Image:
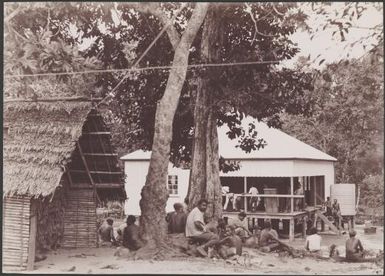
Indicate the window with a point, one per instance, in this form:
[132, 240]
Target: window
[172, 184]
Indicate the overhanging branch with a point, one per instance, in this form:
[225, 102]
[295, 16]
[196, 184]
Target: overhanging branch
[155, 9]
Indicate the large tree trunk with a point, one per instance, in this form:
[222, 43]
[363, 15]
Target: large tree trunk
[154, 193]
[204, 178]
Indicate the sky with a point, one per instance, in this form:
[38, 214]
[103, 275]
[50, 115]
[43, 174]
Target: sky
[332, 49]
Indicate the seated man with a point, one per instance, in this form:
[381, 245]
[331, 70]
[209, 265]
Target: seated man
[328, 207]
[230, 244]
[131, 239]
[241, 226]
[177, 219]
[268, 238]
[196, 228]
[355, 250]
[313, 241]
[106, 231]
[119, 231]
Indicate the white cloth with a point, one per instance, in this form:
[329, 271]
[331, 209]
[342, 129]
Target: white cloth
[253, 191]
[225, 190]
[314, 242]
[195, 215]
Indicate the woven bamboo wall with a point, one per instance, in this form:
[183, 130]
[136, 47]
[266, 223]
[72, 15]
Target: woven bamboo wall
[50, 221]
[80, 219]
[16, 225]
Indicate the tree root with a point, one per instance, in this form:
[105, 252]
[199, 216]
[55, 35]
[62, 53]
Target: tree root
[166, 250]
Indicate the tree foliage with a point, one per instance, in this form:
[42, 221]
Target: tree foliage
[372, 192]
[45, 37]
[262, 91]
[347, 122]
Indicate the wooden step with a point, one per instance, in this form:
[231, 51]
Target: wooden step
[327, 222]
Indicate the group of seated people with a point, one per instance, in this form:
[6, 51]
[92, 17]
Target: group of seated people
[236, 234]
[224, 239]
[127, 234]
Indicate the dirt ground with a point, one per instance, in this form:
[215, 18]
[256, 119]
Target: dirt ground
[103, 261]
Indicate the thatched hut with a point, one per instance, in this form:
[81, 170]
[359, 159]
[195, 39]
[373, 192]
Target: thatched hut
[58, 163]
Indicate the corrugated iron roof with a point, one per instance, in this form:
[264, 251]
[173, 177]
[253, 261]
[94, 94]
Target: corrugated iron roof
[279, 146]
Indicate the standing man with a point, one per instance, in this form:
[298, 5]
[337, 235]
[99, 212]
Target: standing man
[254, 200]
[196, 228]
[241, 227]
[336, 213]
[298, 202]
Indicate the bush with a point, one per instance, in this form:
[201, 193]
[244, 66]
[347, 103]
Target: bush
[372, 194]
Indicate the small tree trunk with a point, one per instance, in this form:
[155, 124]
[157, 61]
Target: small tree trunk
[154, 193]
[204, 178]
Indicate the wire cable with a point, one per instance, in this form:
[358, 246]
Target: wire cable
[141, 69]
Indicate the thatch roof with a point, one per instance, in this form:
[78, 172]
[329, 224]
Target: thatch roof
[38, 144]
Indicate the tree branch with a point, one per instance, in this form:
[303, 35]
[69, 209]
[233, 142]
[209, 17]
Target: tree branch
[155, 9]
[279, 13]
[18, 34]
[188, 36]
[12, 15]
[250, 12]
[171, 31]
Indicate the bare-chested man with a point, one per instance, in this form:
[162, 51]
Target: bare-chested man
[355, 250]
[268, 238]
[230, 244]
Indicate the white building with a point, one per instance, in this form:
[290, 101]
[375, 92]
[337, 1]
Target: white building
[281, 164]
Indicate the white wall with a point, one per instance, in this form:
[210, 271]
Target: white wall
[263, 168]
[315, 168]
[346, 196]
[286, 168]
[136, 172]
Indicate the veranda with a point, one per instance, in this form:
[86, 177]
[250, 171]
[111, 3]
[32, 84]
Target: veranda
[287, 201]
